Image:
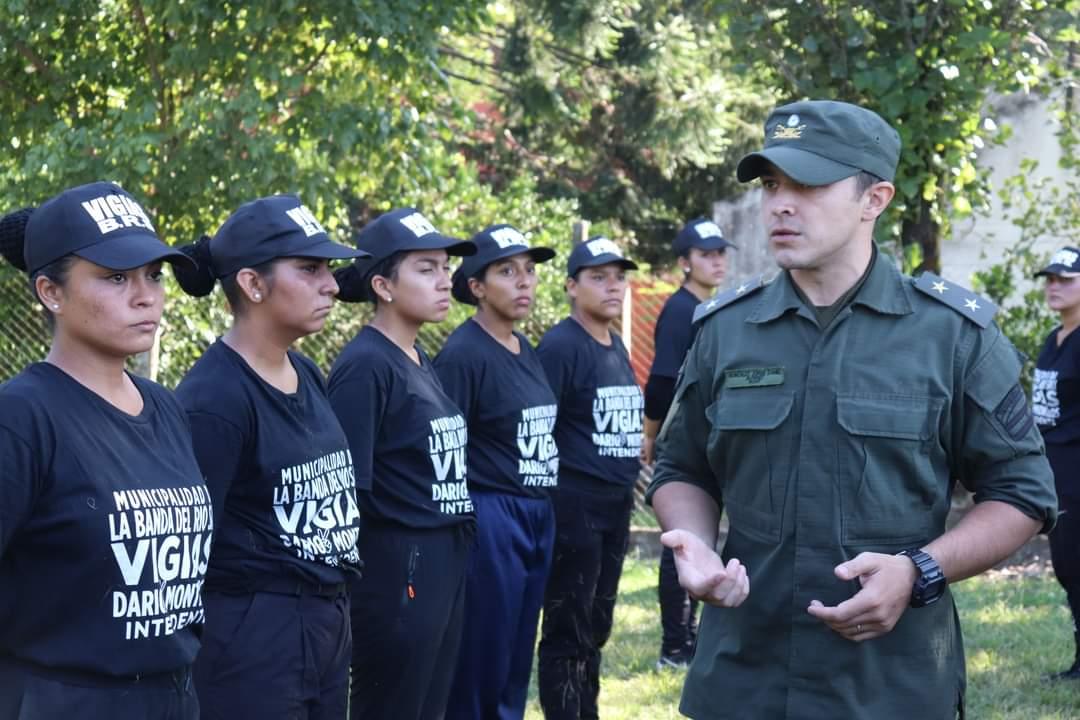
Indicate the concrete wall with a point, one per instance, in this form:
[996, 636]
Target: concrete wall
[976, 242]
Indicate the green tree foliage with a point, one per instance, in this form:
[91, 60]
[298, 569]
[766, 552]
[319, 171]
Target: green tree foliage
[632, 107]
[199, 106]
[1043, 210]
[929, 66]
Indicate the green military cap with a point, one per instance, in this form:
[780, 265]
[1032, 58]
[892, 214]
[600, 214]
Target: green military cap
[819, 142]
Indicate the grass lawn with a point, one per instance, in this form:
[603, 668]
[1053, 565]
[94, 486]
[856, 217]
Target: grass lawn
[1016, 629]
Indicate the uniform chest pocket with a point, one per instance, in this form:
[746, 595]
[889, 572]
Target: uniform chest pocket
[751, 450]
[893, 477]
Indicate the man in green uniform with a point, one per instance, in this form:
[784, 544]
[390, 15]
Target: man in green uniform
[830, 412]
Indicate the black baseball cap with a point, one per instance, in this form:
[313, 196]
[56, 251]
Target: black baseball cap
[700, 233]
[1064, 263]
[494, 243]
[819, 142]
[596, 251]
[404, 230]
[268, 228]
[100, 222]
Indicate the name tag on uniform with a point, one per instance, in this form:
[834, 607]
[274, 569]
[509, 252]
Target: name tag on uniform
[753, 377]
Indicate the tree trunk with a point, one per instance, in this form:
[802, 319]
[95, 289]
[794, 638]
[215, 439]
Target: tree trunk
[925, 233]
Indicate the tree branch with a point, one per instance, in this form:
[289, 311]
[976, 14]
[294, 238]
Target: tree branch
[486, 66]
[153, 61]
[474, 81]
[36, 60]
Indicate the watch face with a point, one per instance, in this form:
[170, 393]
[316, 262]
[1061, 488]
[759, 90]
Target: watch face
[930, 585]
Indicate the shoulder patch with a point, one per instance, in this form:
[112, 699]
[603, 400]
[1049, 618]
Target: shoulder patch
[746, 288]
[974, 307]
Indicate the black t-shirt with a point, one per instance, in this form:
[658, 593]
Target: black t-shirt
[408, 438]
[279, 471]
[509, 408]
[672, 337]
[674, 333]
[598, 428]
[105, 527]
[1055, 401]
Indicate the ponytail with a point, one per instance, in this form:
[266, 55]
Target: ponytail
[196, 279]
[13, 237]
[460, 289]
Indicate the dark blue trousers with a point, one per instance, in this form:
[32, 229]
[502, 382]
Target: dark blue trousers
[591, 535]
[678, 611]
[504, 591]
[32, 693]
[407, 617]
[273, 656]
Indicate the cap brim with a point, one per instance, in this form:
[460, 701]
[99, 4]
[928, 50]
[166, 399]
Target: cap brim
[1058, 270]
[330, 250]
[802, 166]
[606, 259]
[131, 251]
[475, 264]
[712, 243]
[435, 241]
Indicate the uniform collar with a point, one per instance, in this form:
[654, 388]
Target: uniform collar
[884, 292]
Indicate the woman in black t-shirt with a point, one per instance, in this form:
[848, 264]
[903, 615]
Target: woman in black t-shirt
[598, 431]
[1056, 406]
[702, 252]
[408, 442]
[277, 641]
[105, 519]
[493, 374]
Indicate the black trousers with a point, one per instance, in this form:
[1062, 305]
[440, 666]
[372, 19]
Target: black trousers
[1065, 554]
[407, 616]
[34, 693]
[275, 656]
[678, 612]
[591, 534]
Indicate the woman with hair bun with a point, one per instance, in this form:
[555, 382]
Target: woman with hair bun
[408, 442]
[494, 375]
[277, 642]
[105, 519]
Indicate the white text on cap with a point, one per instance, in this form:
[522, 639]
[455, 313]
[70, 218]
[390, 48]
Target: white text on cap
[112, 212]
[306, 220]
[418, 224]
[602, 246]
[708, 230]
[508, 237]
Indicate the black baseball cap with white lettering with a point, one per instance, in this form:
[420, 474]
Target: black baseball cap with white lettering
[594, 252]
[494, 243]
[272, 227]
[400, 230]
[819, 142]
[700, 233]
[1064, 263]
[100, 222]
[406, 230]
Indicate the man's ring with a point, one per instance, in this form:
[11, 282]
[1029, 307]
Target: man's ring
[858, 629]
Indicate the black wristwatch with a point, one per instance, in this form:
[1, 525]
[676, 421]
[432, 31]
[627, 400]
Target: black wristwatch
[930, 585]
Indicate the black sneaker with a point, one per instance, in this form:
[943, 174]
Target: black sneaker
[1073, 673]
[673, 661]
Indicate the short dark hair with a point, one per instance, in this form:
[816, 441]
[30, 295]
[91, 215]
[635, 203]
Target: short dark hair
[231, 288]
[864, 181]
[388, 268]
[57, 273]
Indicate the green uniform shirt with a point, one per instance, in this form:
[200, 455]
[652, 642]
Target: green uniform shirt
[822, 445]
